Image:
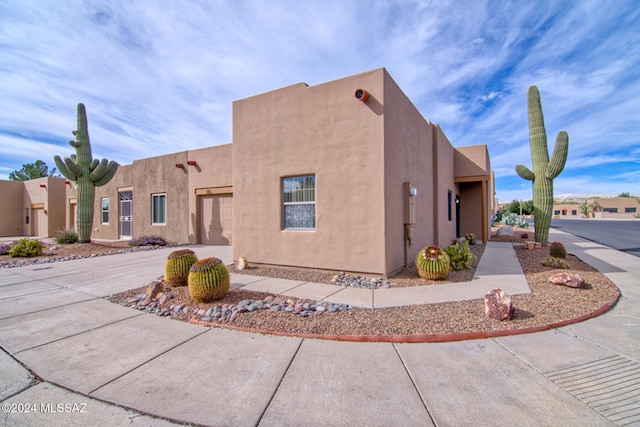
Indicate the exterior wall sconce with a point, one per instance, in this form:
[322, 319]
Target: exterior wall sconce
[180, 165]
[362, 95]
[43, 186]
[192, 163]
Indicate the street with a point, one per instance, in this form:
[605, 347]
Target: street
[622, 235]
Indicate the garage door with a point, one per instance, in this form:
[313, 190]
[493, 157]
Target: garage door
[216, 219]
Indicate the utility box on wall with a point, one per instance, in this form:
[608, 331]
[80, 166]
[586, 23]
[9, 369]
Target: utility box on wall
[410, 192]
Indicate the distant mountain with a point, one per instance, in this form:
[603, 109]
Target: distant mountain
[581, 198]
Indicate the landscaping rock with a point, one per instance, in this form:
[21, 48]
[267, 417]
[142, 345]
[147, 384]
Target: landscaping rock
[505, 230]
[497, 305]
[571, 280]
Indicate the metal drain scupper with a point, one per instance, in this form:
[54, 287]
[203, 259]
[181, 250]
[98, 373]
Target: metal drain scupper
[610, 386]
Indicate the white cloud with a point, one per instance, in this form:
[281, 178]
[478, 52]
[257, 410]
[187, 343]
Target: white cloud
[159, 78]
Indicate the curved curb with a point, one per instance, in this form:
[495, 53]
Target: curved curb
[421, 338]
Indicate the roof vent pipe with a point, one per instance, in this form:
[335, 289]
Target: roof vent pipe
[362, 95]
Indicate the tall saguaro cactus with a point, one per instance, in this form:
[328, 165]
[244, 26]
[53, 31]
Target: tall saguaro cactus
[87, 172]
[544, 170]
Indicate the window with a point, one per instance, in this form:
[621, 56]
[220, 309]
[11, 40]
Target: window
[105, 210]
[299, 197]
[612, 210]
[26, 215]
[629, 210]
[158, 209]
[449, 205]
[556, 212]
[574, 212]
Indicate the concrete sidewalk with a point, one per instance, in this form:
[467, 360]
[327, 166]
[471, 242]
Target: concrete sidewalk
[92, 354]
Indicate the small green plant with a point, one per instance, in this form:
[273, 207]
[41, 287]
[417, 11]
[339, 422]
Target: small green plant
[433, 263]
[460, 255]
[148, 241]
[65, 237]
[471, 238]
[557, 250]
[26, 248]
[176, 270]
[555, 263]
[208, 280]
[514, 220]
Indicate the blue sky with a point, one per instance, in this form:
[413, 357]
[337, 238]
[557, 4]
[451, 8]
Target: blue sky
[159, 76]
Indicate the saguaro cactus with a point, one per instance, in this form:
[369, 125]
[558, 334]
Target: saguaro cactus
[87, 172]
[544, 170]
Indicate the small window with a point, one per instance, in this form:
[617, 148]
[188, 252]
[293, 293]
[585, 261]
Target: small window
[105, 210]
[612, 210]
[556, 212]
[449, 214]
[158, 209]
[26, 215]
[574, 212]
[299, 198]
[629, 210]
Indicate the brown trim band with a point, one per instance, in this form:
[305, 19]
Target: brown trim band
[214, 190]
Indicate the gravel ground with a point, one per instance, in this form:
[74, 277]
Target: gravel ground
[547, 304]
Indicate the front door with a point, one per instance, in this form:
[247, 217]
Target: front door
[457, 216]
[126, 214]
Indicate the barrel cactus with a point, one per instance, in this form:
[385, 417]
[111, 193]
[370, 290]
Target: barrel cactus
[176, 269]
[544, 170]
[432, 263]
[87, 172]
[557, 250]
[208, 280]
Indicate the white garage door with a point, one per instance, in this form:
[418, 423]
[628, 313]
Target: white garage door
[216, 219]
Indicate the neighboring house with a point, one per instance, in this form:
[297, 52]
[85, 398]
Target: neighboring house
[345, 175]
[32, 208]
[600, 207]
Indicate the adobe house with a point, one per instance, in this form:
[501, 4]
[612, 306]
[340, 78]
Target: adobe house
[32, 208]
[345, 175]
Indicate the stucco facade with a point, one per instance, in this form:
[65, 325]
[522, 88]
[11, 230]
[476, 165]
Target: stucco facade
[32, 208]
[345, 175]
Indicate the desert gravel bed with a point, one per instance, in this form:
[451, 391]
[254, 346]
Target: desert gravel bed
[547, 304]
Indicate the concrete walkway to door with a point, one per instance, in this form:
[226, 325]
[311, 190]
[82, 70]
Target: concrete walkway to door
[111, 365]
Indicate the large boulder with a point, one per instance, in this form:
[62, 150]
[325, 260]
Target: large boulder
[505, 230]
[497, 305]
[571, 280]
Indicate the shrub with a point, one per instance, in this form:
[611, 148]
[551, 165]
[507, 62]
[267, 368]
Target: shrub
[148, 241]
[471, 238]
[4, 248]
[557, 250]
[433, 263]
[514, 220]
[555, 263]
[67, 236]
[460, 255]
[26, 248]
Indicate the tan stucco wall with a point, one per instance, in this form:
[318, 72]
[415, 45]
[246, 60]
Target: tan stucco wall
[321, 130]
[122, 179]
[12, 215]
[408, 158]
[212, 171]
[445, 170]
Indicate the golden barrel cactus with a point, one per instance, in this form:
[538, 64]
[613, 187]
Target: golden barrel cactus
[433, 263]
[176, 269]
[208, 280]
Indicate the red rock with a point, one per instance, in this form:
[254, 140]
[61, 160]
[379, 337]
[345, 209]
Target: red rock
[497, 305]
[567, 279]
[153, 289]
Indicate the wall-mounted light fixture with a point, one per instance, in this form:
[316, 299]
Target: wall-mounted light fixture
[362, 95]
[192, 163]
[43, 186]
[179, 165]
